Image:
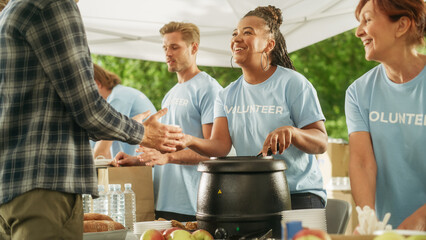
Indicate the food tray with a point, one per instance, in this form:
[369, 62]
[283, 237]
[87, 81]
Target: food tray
[110, 235]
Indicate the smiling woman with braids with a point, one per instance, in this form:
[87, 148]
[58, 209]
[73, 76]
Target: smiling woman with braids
[269, 104]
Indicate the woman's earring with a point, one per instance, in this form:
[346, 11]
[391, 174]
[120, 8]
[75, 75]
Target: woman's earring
[267, 62]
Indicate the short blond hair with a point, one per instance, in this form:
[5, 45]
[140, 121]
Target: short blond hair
[190, 32]
[3, 4]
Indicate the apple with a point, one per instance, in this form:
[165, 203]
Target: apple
[390, 236]
[152, 234]
[181, 235]
[202, 234]
[169, 231]
[417, 237]
[311, 234]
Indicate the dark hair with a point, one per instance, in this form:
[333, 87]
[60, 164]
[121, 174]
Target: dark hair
[415, 10]
[106, 78]
[273, 18]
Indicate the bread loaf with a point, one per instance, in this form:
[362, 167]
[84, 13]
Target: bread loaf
[96, 216]
[191, 226]
[178, 224]
[96, 222]
[101, 226]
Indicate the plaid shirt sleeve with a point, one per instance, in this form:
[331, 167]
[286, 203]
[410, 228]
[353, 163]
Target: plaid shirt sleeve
[57, 37]
[49, 102]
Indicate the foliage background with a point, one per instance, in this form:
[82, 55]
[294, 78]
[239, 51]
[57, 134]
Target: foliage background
[331, 65]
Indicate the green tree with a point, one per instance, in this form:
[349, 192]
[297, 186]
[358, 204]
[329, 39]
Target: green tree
[331, 66]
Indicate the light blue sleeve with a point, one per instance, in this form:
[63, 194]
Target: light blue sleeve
[354, 118]
[207, 103]
[122, 106]
[218, 106]
[129, 101]
[142, 104]
[305, 107]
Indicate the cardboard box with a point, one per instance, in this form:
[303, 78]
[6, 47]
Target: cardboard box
[339, 157]
[335, 161]
[141, 179]
[334, 164]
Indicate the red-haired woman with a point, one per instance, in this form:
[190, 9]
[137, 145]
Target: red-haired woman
[386, 113]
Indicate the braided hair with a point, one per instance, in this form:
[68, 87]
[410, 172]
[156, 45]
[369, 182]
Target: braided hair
[273, 18]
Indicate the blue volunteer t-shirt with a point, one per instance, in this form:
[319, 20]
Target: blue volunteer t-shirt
[287, 98]
[395, 116]
[130, 102]
[190, 105]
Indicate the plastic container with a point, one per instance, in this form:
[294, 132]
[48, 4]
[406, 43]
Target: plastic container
[129, 206]
[116, 203]
[111, 191]
[120, 204]
[87, 203]
[100, 205]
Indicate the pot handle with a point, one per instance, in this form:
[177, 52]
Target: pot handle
[269, 153]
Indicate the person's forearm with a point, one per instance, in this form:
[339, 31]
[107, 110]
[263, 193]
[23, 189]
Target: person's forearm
[363, 184]
[312, 141]
[210, 147]
[186, 156]
[362, 169]
[102, 148]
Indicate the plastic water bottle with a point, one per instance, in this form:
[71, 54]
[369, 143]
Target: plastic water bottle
[129, 206]
[100, 204]
[87, 203]
[112, 202]
[116, 203]
[121, 210]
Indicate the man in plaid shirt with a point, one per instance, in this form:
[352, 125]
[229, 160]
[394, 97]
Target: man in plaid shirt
[49, 107]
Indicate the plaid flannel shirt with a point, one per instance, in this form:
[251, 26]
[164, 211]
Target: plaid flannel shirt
[49, 103]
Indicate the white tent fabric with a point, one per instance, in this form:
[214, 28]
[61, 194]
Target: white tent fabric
[130, 28]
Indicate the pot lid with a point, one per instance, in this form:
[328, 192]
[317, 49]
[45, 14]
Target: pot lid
[242, 164]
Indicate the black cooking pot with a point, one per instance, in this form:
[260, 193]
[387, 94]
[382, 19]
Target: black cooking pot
[240, 196]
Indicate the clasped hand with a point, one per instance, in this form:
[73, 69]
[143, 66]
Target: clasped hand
[164, 138]
[148, 157]
[278, 140]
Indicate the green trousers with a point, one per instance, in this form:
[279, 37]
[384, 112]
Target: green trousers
[42, 214]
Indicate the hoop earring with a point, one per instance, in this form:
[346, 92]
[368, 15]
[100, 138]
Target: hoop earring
[232, 58]
[267, 62]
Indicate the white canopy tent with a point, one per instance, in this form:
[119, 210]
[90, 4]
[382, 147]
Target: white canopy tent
[130, 28]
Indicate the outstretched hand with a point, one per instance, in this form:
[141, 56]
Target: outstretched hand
[124, 159]
[152, 157]
[185, 142]
[164, 138]
[142, 116]
[416, 221]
